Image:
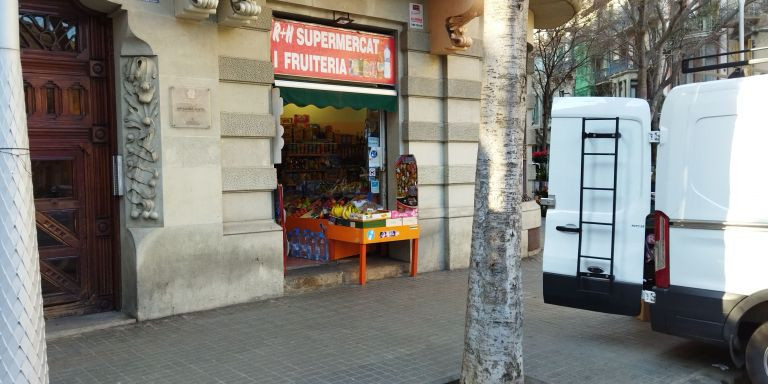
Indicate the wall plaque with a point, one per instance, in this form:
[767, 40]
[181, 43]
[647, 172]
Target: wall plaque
[191, 107]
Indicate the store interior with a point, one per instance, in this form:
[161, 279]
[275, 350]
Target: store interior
[327, 172]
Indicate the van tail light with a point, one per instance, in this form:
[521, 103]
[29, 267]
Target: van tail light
[661, 250]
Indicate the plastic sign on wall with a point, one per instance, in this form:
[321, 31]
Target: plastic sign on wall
[416, 12]
[320, 52]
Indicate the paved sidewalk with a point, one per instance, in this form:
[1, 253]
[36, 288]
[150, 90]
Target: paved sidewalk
[402, 330]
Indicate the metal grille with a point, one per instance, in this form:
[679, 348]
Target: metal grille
[48, 33]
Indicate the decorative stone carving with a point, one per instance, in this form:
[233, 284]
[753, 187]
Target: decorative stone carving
[195, 9]
[456, 26]
[238, 13]
[141, 119]
[246, 8]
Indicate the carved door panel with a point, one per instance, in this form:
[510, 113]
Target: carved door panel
[66, 54]
[60, 217]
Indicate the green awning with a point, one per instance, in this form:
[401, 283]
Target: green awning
[322, 98]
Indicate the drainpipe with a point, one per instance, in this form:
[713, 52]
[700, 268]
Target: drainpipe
[22, 328]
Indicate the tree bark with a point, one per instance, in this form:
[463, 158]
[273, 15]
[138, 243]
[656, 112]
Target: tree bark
[493, 332]
[546, 108]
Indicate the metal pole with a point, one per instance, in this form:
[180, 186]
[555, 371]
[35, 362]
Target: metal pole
[723, 45]
[741, 29]
[22, 327]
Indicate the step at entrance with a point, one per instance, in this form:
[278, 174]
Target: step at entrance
[344, 272]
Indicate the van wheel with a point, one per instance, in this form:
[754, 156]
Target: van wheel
[757, 355]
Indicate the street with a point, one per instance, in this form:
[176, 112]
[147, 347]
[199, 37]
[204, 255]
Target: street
[401, 330]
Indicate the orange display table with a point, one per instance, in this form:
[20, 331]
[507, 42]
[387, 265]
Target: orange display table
[364, 236]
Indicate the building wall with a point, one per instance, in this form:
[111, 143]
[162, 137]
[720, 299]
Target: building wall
[212, 240]
[441, 98]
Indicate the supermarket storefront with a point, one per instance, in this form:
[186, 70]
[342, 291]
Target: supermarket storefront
[336, 87]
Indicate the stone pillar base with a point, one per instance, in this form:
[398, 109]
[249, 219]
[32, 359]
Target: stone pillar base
[530, 243]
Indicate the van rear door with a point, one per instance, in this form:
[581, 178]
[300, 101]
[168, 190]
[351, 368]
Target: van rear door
[601, 185]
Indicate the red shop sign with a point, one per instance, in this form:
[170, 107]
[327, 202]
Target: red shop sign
[310, 50]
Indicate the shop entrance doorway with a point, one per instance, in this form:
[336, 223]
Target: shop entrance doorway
[333, 159]
[335, 84]
[66, 64]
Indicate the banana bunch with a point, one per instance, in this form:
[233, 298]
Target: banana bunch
[350, 209]
[337, 210]
[344, 211]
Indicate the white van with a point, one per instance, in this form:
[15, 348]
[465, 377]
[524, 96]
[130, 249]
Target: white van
[708, 276]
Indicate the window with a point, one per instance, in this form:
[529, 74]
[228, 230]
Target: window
[48, 33]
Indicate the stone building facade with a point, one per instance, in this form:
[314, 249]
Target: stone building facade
[194, 225]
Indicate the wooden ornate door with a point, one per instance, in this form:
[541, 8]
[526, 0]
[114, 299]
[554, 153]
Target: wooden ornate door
[66, 63]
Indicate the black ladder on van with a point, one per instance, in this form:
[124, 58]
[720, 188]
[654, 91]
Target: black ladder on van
[597, 273]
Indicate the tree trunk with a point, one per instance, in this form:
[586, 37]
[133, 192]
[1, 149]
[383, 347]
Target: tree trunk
[545, 120]
[546, 113]
[493, 338]
[640, 53]
[655, 106]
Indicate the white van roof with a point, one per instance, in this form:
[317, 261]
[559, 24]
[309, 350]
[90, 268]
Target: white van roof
[715, 86]
[602, 107]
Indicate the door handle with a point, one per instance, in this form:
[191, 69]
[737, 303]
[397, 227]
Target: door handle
[564, 228]
[117, 175]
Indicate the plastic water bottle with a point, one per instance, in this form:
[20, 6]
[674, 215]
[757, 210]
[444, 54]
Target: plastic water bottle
[306, 234]
[322, 247]
[300, 242]
[295, 241]
[313, 246]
